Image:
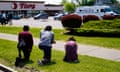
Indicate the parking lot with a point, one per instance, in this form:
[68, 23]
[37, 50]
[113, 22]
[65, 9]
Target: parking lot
[40, 23]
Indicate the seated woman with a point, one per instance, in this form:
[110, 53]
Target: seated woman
[71, 50]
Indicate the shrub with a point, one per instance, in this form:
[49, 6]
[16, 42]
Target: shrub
[108, 17]
[71, 21]
[87, 18]
[117, 16]
[102, 24]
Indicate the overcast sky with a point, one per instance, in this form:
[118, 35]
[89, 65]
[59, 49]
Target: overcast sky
[53, 1]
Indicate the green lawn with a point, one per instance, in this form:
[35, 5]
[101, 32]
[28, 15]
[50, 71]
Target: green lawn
[8, 53]
[111, 42]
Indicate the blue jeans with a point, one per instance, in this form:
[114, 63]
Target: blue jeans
[47, 52]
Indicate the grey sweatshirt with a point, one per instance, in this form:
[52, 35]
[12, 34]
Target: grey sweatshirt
[46, 38]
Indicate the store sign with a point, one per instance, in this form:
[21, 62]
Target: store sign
[23, 6]
[14, 6]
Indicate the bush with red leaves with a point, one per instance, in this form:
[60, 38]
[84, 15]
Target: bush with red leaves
[117, 16]
[87, 18]
[71, 21]
[108, 17]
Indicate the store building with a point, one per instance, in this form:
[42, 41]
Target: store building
[28, 8]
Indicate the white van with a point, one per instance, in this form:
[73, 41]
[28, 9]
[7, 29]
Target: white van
[94, 10]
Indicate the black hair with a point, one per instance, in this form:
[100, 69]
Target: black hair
[71, 39]
[48, 28]
[26, 28]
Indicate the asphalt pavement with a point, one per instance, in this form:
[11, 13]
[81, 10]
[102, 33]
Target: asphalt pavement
[39, 23]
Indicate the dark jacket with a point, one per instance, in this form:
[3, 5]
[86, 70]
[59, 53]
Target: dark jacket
[71, 51]
[27, 37]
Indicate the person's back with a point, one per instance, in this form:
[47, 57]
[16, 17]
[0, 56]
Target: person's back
[46, 38]
[3, 18]
[4, 15]
[45, 44]
[71, 51]
[26, 36]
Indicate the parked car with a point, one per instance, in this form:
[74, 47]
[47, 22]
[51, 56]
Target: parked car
[27, 16]
[41, 16]
[59, 16]
[16, 17]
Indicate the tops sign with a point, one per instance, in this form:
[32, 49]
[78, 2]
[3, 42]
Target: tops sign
[23, 6]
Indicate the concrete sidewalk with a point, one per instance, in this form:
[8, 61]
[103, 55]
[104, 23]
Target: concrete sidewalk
[95, 51]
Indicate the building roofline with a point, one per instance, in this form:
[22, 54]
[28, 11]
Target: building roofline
[22, 1]
[52, 5]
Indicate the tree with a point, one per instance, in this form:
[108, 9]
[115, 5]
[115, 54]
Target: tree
[63, 2]
[91, 2]
[69, 7]
[83, 2]
[114, 1]
[78, 2]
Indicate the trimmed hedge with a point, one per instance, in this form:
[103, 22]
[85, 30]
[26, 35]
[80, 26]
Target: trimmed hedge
[102, 24]
[117, 16]
[87, 18]
[108, 17]
[71, 21]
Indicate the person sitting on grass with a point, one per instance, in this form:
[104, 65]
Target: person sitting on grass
[71, 50]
